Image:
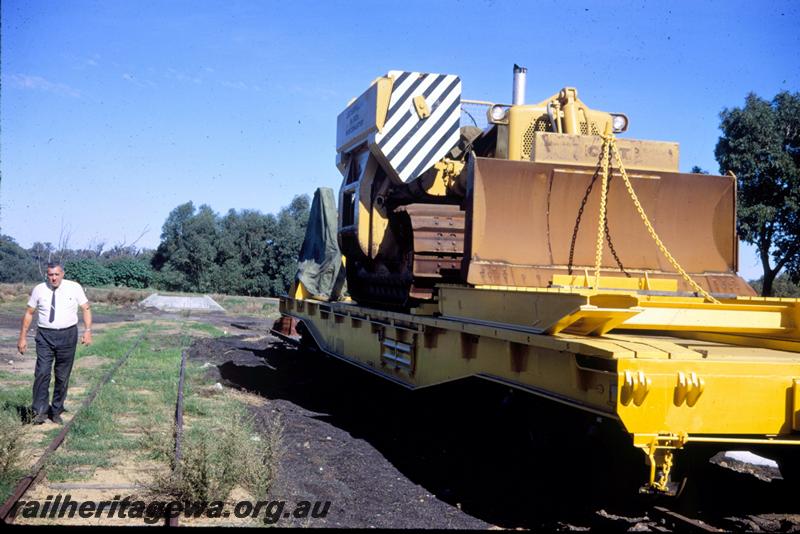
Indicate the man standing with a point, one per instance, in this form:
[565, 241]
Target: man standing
[56, 302]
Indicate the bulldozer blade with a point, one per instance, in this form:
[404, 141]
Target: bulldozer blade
[527, 222]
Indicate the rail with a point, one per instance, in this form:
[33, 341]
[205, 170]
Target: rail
[36, 473]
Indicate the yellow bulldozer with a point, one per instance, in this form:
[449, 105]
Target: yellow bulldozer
[426, 202]
[543, 252]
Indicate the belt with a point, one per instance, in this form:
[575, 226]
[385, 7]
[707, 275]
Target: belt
[57, 329]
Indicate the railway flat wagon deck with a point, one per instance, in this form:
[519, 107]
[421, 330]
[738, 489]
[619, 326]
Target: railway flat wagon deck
[639, 360]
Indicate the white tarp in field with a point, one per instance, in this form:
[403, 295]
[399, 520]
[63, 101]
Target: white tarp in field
[178, 303]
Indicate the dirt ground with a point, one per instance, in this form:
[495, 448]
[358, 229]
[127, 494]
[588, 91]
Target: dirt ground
[326, 456]
[469, 455]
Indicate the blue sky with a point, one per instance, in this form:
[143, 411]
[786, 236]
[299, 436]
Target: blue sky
[115, 112]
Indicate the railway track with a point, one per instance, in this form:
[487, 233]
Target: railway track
[37, 472]
[681, 523]
[173, 519]
[655, 518]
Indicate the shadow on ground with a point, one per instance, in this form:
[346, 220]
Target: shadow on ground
[504, 457]
[25, 413]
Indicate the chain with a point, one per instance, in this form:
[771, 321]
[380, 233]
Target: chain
[608, 232]
[578, 219]
[598, 255]
[610, 141]
[578, 224]
[663, 481]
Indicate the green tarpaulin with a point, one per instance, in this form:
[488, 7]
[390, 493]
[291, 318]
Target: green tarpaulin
[319, 265]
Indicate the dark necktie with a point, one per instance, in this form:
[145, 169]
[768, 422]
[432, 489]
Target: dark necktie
[53, 307]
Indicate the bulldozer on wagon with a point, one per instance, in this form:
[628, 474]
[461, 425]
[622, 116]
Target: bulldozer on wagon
[544, 253]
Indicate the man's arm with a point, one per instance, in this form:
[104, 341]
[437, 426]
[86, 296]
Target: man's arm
[87, 323]
[27, 319]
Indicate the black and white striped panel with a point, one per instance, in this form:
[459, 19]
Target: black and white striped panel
[412, 145]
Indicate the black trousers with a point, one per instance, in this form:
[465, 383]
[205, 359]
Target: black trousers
[53, 346]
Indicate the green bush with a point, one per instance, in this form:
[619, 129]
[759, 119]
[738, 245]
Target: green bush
[781, 287]
[169, 279]
[88, 272]
[131, 272]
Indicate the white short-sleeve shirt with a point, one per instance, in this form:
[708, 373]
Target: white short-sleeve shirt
[69, 295]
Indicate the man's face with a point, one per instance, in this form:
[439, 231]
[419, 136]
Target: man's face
[55, 275]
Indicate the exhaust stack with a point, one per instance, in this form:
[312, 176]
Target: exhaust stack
[518, 97]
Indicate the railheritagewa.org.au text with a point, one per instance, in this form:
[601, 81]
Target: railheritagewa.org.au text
[150, 512]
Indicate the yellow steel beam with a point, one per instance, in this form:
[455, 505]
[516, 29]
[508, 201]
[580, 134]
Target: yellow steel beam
[750, 341]
[663, 313]
[423, 351]
[652, 383]
[539, 312]
[745, 441]
[588, 311]
[677, 441]
[665, 391]
[591, 320]
[796, 404]
[707, 396]
[586, 280]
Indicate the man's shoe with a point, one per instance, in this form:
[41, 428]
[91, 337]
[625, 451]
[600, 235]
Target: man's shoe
[39, 419]
[57, 419]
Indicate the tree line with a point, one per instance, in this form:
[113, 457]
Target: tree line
[242, 252]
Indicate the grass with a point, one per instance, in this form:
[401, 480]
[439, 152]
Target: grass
[5, 376]
[219, 454]
[12, 444]
[241, 305]
[16, 400]
[85, 446]
[206, 328]
[221, 447]
[131, 420]
[15, 293]
[95, 438]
